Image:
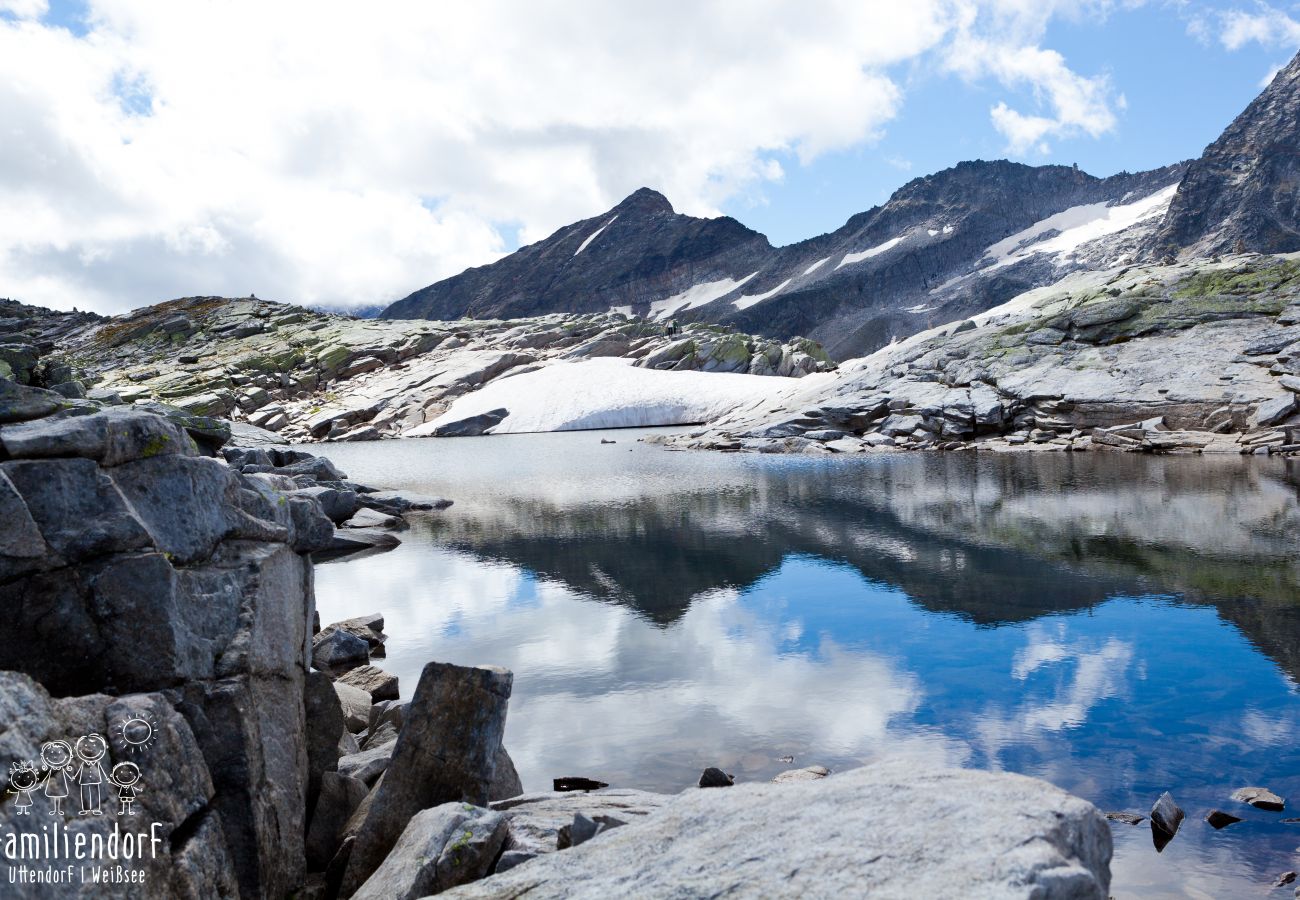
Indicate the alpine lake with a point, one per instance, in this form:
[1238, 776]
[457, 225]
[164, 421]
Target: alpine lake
[1119, 625]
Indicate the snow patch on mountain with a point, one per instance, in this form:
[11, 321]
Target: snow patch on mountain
[697, 295]
[591, 237]
[1077, 226]
[851, 258]
[817, 265]
[745, 302]
[611, 393]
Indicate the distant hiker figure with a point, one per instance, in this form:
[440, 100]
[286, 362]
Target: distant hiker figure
[91, 775]
[22, 781]
[126, 775]
[672, 327]
[56, 757]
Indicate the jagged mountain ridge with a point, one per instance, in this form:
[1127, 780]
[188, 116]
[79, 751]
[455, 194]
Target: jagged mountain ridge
[850, 289]
[944, 247]
[1243, 194]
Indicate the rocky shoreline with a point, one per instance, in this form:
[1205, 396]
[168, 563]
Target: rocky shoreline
[308, 376]
[1194, 357]
[161, 586]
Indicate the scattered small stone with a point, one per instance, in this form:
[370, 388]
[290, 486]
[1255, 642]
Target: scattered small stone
[715, 777]
[1126, 818]
[1260, 798]
[603, 441]
[785, 759]
[1220, 819]
[577, 783]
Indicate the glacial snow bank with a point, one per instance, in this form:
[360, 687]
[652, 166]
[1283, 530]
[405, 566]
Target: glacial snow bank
[611, 393]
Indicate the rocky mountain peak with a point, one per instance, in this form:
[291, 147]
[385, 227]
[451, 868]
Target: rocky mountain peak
[1243, 194]
[644, 201]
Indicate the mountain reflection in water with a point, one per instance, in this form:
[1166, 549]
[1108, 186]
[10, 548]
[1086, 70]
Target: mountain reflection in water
[1119, 625]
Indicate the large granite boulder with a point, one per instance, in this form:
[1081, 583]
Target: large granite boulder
[893, 830]
[446, 752]
[451, 844]
[132, 565]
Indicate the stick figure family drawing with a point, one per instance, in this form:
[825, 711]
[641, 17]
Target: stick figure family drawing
[75, 771]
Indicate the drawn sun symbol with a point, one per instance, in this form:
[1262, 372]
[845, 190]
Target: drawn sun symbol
[136, 734]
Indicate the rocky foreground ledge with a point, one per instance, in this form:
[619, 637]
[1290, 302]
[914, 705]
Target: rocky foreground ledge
[174, 723]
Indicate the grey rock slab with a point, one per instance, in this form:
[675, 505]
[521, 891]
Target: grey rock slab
[355, 704]
[380, 685]
[372, 518]
[505, 779]
[340, 795]
[536, 819]
[807, 773]
[334, 649]
[111, 437]
[339, 505]
[1270, 412]
[442, 847]
[325, 727]
[347, 541]
[76, 506]
[446, 752]
[367, 765]
[18, 403]
[185, 503]
[472, 426]
[976, 835]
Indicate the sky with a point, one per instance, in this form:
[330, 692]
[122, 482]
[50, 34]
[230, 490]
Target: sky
[344, 155]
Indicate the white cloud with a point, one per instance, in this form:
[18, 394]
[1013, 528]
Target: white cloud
[310, 153]
[1074, 104]
[1266, 26]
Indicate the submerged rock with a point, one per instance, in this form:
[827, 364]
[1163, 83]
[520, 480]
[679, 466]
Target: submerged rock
[1260, 798]
[1166, 816]
[1126, 818]
[1219, 819]
[715, 777]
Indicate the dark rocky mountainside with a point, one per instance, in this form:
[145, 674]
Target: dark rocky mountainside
[1243, 194]
[943, 248]
[635, 253]
[919, 260]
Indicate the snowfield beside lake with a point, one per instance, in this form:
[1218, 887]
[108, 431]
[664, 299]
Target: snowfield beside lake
[611, 393]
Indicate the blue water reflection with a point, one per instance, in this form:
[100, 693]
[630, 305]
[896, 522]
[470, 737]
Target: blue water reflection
[1119, 626]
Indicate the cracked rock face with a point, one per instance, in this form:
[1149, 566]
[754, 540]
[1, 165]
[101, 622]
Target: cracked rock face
[143, 580]
[994, 835]
[1241, 195]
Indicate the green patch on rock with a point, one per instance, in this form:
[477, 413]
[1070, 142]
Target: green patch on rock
[1237, 282]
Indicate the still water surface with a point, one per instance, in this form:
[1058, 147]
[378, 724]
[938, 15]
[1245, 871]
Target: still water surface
[1117, 625]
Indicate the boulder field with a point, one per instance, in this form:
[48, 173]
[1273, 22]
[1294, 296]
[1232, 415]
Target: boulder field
[165, 686]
